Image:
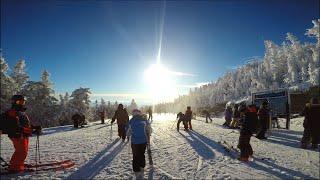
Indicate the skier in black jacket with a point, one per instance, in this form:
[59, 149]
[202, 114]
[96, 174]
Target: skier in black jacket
[248, 126]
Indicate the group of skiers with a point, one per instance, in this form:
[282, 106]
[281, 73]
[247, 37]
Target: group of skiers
[248, 117]
[185, 119]
[16, 124]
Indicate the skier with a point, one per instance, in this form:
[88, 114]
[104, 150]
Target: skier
[264, 118]
[188, 116]
[181, 118]
[78, 120]
[227, 116]
[122, 117]
[248, 126]
[208, 116]
[102, 116]
[150, 114]
[16, 124]
[139, 130]
[311, 124]
[235, 117]
[274, 119]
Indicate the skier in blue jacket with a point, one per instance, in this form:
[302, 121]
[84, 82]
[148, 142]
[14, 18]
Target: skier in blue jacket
[139, 130]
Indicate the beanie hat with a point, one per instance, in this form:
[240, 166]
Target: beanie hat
[136, 112]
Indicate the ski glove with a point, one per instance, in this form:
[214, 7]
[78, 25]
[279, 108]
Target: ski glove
[26, 130]
[37, 130]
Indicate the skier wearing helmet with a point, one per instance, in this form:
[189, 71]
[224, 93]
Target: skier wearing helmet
[17, 125]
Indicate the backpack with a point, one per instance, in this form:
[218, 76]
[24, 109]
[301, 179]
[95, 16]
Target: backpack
[5, 123]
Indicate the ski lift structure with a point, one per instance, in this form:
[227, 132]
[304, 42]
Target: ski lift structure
[279, 102]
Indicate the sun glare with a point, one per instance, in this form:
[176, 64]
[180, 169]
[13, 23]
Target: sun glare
[160, 83]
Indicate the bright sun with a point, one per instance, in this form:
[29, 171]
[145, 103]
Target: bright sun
[160, 82]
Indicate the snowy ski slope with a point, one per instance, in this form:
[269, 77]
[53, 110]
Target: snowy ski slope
[194, 155]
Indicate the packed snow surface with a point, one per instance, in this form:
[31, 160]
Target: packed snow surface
[99, 154]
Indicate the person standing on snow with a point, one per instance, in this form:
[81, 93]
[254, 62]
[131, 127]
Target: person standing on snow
[139, 130]
[102, 116]
[150, 114]
[311, 124]
[16, 124]
[235, 117]
[227, 116]
[188, 116]
[264, 118]
[208, 116]
[181, 118]
[122, 117]
[247, 128]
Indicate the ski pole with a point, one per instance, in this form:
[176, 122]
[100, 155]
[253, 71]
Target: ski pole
[38, 142]
[36, 156]
[111, 132]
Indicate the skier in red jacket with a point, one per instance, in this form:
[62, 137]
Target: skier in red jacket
[17, 126]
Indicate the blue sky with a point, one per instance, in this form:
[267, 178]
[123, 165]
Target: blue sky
[107, 46]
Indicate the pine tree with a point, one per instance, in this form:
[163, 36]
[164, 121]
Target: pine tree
[19, 75]
[7, 86]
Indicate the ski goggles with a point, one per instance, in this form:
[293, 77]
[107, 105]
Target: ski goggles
[20, 102]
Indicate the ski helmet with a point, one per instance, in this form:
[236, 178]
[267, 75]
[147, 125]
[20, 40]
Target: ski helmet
[18, 99]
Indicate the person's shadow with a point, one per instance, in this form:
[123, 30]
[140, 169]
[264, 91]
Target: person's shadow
[99, 162]
[285, 137]
[201, 148]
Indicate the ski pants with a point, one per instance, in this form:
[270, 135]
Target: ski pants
[306, 136]
[263, 130]
[139, 160]
[122, 131]
[244, 145]
[189, 122]
[227, 122]
[102, 119]
[21, 146]
[315, 137]
[185, 125]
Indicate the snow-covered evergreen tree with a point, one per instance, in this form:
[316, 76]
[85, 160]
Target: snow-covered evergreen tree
[19, 75]
[133, 105]
[80, 102]
[7, 86]
[41, 104]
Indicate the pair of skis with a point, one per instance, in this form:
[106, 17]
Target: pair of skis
[52, 166]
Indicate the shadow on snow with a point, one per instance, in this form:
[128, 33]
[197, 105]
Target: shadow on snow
[99, 162]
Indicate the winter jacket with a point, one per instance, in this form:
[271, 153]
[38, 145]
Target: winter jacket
[16, 124]
[314, 118]
[139, 129]
[264, 115]
[122, 117]
[188, 115]
[306, 114]
[236, 113]
[227, 114]
[249, 121]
